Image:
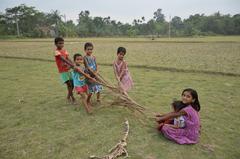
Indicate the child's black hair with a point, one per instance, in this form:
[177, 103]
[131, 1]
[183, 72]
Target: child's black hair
[88, 44]
[121, 49]
[76, 55]
[194, 94]
[178, 105]
[58, 39]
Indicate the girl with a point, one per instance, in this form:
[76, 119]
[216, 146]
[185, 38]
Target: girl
[121, 72]
[79, 80]
[190, 133]
[92, 67]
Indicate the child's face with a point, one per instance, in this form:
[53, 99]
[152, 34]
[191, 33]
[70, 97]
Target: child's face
[79, 60]
[120, 55]
[60, 45]
[89, 50]
[187, 98]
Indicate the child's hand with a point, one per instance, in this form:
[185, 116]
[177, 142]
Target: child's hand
[159, 119]
[74, 67]
[120, 87]
[160, 126]
[118, 79]
[157, 114]
[93, 80]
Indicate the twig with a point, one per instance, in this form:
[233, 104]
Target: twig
[119, 149]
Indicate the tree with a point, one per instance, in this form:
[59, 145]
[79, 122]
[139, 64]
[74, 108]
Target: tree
[236, 21]
[3, 25]
[26, 21]
[85, 26]
[158, 16]
[177, 26]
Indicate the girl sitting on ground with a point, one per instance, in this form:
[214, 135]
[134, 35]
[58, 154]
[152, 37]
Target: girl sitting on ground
[189, 134]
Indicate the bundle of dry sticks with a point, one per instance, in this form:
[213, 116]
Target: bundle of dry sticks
[119, 149]
[117, 91]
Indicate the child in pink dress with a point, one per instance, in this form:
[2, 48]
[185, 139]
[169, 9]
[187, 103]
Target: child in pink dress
[189, 134]
[121, 72]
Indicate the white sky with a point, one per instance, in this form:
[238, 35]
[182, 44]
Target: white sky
[127, 10]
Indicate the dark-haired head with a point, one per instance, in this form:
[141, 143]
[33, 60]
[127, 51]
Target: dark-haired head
[194, 95]
[58, 39]
[178, 105]
[76, 55]
[88, 45]
[121, 50]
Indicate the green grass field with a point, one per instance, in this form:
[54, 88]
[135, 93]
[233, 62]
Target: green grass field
[45, 126]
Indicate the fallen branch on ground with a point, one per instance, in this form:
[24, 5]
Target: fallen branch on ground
[119, 149]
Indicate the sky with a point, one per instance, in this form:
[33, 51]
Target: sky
[128, 10]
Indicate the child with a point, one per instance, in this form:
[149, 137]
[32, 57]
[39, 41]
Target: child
[177, 122]
[79, 80]
[121, 71]
[62, 61]
[189, 134]
[92, 67]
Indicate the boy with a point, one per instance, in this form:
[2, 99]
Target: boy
[63, 64]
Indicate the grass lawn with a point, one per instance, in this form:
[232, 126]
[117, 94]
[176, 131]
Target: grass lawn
[45, 126]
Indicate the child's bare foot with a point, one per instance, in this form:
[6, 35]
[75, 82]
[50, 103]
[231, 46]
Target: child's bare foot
[69, 100]
[77, 109]
[73, 101]
[89, 103]
[89, 110]
[98, 102]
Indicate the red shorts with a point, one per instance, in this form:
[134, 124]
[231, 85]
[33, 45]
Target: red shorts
[81, 89]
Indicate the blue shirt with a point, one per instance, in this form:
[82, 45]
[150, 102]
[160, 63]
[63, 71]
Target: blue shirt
[78, 78]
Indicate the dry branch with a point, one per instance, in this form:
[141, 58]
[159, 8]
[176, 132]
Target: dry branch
[126, 100]
[119, 149]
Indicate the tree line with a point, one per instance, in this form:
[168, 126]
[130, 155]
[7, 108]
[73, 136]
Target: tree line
[27, 21]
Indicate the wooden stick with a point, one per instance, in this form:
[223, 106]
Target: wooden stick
[119, 149]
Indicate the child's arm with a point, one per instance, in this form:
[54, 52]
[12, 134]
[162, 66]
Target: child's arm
[96, 66]
[170, 116]
[85, 74]
[123, 70]
[67, 61]
[86, 65]
[115, 72]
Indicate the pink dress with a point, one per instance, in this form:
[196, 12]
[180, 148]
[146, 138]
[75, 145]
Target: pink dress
[187, 135]
[122, 69]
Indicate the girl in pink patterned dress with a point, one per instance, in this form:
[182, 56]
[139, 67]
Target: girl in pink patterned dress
[121, 72]
[189, 134]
